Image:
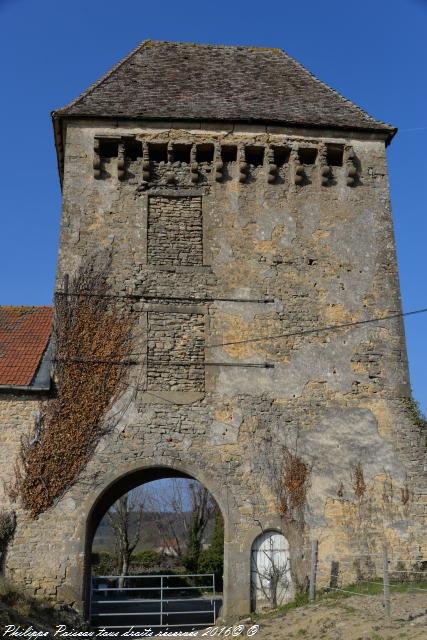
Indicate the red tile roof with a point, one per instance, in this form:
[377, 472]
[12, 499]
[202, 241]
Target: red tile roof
[24, 335]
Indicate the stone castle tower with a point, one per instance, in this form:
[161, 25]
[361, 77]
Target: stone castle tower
[244, 205]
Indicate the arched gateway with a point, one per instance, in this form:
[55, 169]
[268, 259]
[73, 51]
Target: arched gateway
[172, 611]
[224, 223]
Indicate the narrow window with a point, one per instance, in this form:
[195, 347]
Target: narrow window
[334, 155]
[181, 153]
[229, 153]
[254, 156]
[108, 147]
[133, 149]
[307, 155]
[281, 155]
[205, 153]
[158, 152]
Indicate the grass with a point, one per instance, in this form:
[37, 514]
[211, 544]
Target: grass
[329, 597]
[300, 600]
[370, 589]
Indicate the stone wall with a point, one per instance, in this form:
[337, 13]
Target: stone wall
[175, 231]
[175, 359]
[16, 421]
[291, 243]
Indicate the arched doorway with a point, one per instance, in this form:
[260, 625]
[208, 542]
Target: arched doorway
[172, 596]
[271, 583]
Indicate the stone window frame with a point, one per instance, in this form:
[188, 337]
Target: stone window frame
[175, 193]
[177, 397]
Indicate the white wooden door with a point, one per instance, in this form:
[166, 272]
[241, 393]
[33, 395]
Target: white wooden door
[271, 583]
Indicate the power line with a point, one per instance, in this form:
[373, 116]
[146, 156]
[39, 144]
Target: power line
[302, 332]
[262, 365]
[138, 296]
[333, 327]
[184, 363]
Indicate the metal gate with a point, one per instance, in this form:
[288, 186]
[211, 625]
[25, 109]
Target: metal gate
[156, 601]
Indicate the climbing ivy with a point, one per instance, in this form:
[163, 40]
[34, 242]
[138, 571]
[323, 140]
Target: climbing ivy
[92, 338]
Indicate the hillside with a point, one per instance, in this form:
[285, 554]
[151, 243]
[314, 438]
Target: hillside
[155, 527]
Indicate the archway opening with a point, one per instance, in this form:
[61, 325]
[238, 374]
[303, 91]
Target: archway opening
[154, 553]
[271, 582]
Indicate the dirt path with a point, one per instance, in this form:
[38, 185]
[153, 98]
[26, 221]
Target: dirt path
[353, 618]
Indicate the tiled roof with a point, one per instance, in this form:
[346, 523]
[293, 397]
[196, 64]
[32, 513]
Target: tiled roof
[24, 335]
[171, 80]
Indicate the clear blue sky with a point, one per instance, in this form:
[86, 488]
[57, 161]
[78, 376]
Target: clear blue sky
[372, 51]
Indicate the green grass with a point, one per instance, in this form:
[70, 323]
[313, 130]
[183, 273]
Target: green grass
[367, 588]
[329, 597]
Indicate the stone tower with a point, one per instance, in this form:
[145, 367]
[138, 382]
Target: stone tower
[245, 208]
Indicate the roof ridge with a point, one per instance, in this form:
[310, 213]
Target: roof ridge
[103, 78]
[340, 95]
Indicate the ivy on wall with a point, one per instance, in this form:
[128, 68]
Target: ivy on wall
[92, 337]
[294, 482]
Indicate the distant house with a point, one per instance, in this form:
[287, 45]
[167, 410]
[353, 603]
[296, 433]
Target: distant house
[168, 547]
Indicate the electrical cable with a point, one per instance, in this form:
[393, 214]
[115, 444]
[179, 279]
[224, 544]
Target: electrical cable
[302, 332]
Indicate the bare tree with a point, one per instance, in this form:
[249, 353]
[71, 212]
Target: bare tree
[168, 508]
[125, 518]
[202, 509]
[190, 506]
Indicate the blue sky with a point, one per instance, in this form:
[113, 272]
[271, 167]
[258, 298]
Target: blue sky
[372, 51]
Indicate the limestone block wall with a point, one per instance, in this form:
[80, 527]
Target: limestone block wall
[175, 351]
[175, 234]
[16, 421]
[233, 245]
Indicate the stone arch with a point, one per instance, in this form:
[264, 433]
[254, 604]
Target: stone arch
[116, 485]
[271, 581]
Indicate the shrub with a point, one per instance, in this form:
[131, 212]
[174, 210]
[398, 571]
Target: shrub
[103, 563]
[7, 528]
[148, 558]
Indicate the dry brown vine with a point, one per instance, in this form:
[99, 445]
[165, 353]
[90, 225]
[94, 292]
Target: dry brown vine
[92, 337]
[358, 480]
[294, 483]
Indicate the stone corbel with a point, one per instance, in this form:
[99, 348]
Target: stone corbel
[272, 167]
[194, 167]
[297, 166]
[170, 153]
[350, 164]
[324, 168]
[121, 162]
[145, 163]
[170, 177]
[218, 164]
[243, 165]
[97, 169]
